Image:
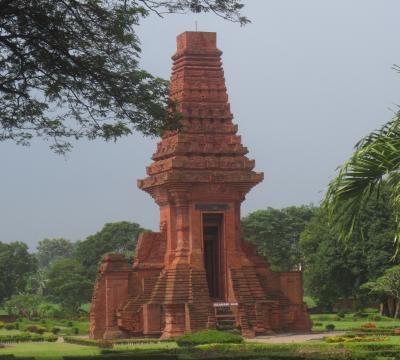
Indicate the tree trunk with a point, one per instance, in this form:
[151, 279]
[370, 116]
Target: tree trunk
[383, 308]
[396, 314]
[390, 304]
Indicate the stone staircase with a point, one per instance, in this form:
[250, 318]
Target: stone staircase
[225, 319]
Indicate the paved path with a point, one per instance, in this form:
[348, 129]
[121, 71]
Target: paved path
[294, 338]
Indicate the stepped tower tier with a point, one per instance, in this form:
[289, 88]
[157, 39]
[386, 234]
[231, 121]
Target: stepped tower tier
[197, 272]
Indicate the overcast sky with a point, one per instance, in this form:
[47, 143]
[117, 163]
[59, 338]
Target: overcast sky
[306, 80]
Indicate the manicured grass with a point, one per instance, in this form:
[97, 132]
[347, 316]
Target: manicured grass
[49, 351]
[309, 350]
[349, 323]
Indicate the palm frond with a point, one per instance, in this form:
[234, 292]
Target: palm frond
[376, 159]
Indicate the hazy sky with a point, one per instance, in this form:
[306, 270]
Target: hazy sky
[306, 80]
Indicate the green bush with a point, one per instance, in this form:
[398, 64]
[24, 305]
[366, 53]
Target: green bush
[105, 344]
[318, 324]
[375, 317]
[209, 337]
[141, 341]
[9, 326]
[2, 323]
[25, 337]
[36, 329]
[76, 331]
[330, 327]
[82, 341]
[55, 330]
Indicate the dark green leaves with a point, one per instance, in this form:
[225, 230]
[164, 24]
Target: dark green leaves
[70, 69]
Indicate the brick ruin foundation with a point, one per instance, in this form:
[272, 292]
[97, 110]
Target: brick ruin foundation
[197, 273]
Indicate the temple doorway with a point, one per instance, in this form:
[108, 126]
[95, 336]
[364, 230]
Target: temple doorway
[212, 237]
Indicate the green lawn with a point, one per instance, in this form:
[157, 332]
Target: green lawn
[48, 351]
[349, 323]
[55, 351]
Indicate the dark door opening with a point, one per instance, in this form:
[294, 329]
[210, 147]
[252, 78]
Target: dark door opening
[212, 233]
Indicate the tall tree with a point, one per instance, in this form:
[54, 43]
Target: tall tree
[16, 264]
[49, 250]
[389, 284]
[335, 270]
[276, 233]
[118, 237]
[68, 284]
[70, 68]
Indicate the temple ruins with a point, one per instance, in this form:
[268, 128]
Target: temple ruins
[197, 272]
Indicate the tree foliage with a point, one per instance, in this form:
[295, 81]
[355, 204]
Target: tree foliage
[68, 284]
[26, 305]
[70, 69]
[276, 233]
[49, 250]
[16, 264]
[118, 237]
[389, 284]
[335, 270]
[376, 160]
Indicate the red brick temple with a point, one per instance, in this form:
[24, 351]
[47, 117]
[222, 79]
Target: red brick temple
[197, 273]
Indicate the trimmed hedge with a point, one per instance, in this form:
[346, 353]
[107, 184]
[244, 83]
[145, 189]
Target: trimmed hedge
[106, 343]
[12, 357]
[141, 341]
[26, 337]
[209, 337]
[81, 341]
[127, 356]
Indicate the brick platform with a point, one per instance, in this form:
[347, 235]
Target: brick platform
[197, 272]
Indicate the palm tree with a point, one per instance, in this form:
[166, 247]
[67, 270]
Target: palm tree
[375, 161]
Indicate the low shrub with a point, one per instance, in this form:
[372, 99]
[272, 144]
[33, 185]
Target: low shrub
[76, 331]
[55, 330]
[375, 317]
[341, 314]
[369, 326]
[141, 341]
[25, 337]
[330, 327]
[359, 315]
[80, 341]
[318, 324]
[209, 337]
[9, 326]
[105, 344]
[376, 331]
[70, 324]
[101, 344]
[322, 317]
[36, 329]
[356, 339]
